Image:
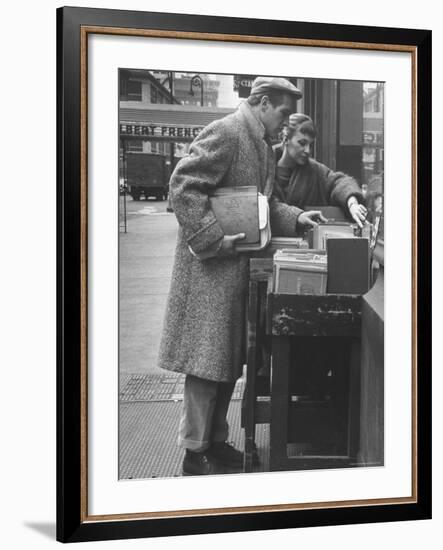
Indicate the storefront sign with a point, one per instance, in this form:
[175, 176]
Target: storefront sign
[160, 132]
[373, 138]
[243, 84]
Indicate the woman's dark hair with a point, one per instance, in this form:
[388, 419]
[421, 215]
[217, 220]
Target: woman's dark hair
[299, 122]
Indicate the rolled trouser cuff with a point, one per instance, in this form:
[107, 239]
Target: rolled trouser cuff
[195, 446]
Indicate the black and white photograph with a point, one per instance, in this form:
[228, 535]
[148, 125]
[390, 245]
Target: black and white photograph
[234, 351]
[251, 273]
[203, 345]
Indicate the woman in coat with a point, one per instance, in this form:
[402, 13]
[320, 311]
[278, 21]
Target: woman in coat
[302, 181]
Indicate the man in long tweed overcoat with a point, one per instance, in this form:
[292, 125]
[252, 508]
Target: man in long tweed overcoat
[203, 334]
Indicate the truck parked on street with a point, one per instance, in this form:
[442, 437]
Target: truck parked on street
[147, 175]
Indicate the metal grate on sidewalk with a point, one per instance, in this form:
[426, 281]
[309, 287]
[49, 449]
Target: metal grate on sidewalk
[148, 439]
[159, 387]
[149, 414]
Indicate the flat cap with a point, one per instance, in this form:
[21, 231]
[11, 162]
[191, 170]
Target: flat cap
[263, 84]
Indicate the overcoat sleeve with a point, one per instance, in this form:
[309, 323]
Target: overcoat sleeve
[195, 176]
[283, 216]
[340, 187]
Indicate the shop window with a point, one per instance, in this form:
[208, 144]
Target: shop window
[373, 147]
[133, 90]
[377, 103]
[155, 96]
[158, 148]
[135, 146]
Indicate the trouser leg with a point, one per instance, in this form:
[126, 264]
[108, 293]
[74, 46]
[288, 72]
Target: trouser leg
[220, 426]
[199, 400]
[203, 418]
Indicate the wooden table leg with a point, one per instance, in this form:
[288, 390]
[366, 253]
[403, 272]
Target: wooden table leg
[354, 400]
[279, 402]
[251, 373]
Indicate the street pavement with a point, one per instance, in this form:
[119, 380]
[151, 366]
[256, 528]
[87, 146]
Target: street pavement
[145, 264]
[150, 398]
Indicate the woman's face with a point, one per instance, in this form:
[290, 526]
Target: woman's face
[299, 148]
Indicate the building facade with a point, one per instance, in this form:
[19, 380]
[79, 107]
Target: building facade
[139, 89]
[159, 115]
[162, 112]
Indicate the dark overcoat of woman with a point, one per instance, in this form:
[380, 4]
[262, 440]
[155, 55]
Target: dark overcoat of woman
[312, 184]
[203, 333]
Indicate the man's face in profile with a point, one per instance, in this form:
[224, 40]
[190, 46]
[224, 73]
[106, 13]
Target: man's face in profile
[275, 118]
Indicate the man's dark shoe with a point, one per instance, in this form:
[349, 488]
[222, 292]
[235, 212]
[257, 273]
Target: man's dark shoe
[226, 454]
[198, 464]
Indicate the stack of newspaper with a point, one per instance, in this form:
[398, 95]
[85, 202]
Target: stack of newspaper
[297, 272]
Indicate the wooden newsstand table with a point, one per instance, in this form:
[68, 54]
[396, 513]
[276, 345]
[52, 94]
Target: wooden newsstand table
[314, 392]
[314, 380]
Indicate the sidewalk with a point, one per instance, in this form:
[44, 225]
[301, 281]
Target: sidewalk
[150, 399]
[150, 408]
[146, 254]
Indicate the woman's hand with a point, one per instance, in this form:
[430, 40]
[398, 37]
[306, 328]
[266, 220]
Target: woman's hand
[311, 217]
[358, 213]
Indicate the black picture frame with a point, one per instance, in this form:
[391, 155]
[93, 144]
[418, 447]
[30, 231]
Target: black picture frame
[73, 523]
